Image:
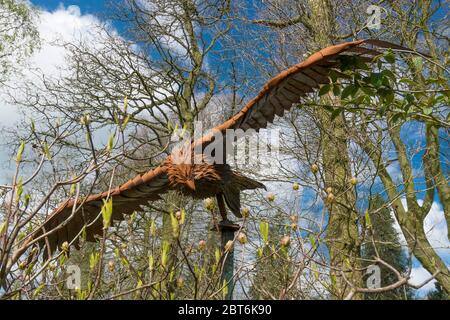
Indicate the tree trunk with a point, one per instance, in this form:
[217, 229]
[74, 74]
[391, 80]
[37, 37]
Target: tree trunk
[342, 232]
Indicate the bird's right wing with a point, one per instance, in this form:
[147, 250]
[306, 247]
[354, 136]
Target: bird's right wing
[67, 221]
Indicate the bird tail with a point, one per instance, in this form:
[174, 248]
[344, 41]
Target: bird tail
[232, 191]
[245, 183]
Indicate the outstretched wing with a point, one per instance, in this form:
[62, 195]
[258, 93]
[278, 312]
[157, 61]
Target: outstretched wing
[66, 222]
[290, 86]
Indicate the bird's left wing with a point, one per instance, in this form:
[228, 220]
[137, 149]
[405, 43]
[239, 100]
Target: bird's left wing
[293, 84]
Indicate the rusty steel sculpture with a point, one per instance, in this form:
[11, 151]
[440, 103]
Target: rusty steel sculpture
[202, 179]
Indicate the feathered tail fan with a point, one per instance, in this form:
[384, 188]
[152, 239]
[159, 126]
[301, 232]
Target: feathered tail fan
[232, 191]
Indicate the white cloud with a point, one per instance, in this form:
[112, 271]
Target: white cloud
[435, 227]
[420, 275]
[394, 171]
[436, 230]
[63, 24]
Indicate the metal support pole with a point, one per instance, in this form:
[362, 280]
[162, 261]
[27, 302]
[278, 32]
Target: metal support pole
[227, 230]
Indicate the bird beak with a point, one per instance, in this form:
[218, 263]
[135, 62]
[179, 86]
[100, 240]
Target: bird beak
[191, 184]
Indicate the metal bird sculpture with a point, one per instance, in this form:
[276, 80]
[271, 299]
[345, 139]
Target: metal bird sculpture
[202, 179]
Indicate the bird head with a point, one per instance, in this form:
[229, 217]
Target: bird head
[184, 172]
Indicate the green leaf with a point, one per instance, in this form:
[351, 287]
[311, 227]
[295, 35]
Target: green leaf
[2, 227]
[408, 81]
[419, 94]
[47, 151]
[132, 218]
[110, 142]
[27, 200]
[93, 260]
[389, 73]
[336, 90]
[368, 91]
[427, 110]
[333, 280]
[389, 56]
[260, 252]
[19, 190]
[389, 97]
[125, 262]
[183, 216]
[83, 233]
[368, 221]
[348, 264]
[151, 262]
[333, 76]
[346, 92]
[73, 189]
[20, 151]
[107, 211]
[217, 255]
[325, 89]
[376, 79]
[62, 259]
[125, 122]
[264, 228]
[385, 81]
[349, 91]
[21, 235]
[165, 253]
[38, 289]
[418, 63]
[362, 65]
[175, 225]
[336, 113]
[153, 228]
[348, 62]
[225, 289]
[314, 269]
[409, 98]
[386, 94]
[313, 242]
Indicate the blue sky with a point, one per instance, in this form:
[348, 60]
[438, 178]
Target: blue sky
[86, 6]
